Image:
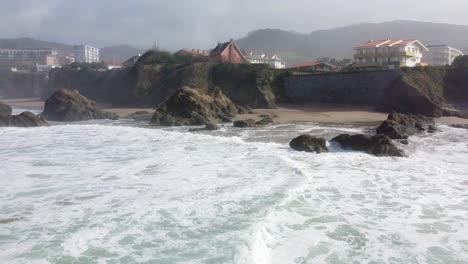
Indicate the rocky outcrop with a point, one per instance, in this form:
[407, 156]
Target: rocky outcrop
[378, 145]
[5, 109]
[266, 120]
[245, 123]
[208, 127]
[401, 126]
[25, 119]
[69, 105]
[309, 143]
[191, 107]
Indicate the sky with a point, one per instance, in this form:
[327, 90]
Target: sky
[175, 24]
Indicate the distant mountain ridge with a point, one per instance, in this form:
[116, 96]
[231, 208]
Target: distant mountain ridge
[113, 53]
[339, 42]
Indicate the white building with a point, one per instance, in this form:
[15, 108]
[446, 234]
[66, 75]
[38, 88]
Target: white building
[84, 53]
[273, 61]
[389, 53]
[40, 56]
[439, 55]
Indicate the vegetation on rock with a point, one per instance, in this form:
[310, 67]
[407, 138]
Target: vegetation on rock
[70, 105]
[5, 109]
[25, 119]
[401, 126]
[189, 106]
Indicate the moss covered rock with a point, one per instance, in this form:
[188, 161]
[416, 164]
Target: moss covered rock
[189, 107]
[401, 126]
[25, 119]
[69, 105]
[5, 109]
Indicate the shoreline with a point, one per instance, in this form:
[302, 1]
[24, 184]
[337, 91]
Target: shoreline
[283, 114]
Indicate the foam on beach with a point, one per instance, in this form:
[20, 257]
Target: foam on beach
[105, 192]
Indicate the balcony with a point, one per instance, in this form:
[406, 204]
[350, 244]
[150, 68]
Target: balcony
[387, 54]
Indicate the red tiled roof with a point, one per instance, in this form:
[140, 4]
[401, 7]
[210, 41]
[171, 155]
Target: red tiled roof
[196, 52]
[388, 43]
[309, 64]
[113, 63]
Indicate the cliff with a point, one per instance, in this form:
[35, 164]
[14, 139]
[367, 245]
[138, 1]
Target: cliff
[430, 91]
[151, 84]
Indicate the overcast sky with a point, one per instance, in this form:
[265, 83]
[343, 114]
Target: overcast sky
[175, 24]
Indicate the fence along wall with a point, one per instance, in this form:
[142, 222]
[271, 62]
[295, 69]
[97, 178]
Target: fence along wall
[359, 88]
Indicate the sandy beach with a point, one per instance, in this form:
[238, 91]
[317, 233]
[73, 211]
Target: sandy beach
[334, 114]
[284, 113]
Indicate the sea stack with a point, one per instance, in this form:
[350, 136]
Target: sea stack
[68, 105]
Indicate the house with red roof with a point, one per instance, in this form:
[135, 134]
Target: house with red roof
[389, 53]
[194, 52]
[228, 52]
[313, 66]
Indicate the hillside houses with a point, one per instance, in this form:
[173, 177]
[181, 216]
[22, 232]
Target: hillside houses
[389, 53]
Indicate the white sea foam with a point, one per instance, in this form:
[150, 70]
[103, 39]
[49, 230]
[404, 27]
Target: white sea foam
[110, 193]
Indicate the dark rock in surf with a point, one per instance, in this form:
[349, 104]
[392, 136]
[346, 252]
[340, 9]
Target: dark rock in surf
[5, 109]
[208, 127]
[69, 105]
[401, 126]
[25, 119]
[462, 126]
[266, 120]
[245, 123]
[378, 145]
[309, 143]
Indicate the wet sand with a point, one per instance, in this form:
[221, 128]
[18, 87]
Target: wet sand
[284, 113]
[34, 103]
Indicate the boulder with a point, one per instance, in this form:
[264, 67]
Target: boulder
[140, 116]
[139, 113]
[245, 123]
[25, 119]
[378, 145]
[192, 107]
[69, 105]
[401, 126]
[208, 127]
[5, 109]
[266, 119]
[309, 143]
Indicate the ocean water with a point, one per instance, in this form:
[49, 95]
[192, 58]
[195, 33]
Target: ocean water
[122, 192]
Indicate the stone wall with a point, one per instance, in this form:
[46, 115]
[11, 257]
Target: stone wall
[357, 88]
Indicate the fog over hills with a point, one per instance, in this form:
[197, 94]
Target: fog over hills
[296, 47]
[338, 42]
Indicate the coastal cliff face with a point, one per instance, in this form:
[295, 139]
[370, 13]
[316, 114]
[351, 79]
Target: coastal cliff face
[18, 85]
[430, 91]
[152, 84]
[417, 91]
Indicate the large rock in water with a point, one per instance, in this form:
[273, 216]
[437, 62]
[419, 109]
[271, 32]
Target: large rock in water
[69, 105]
[401, 126]
[5, 109]
[309, 143]
[191, 107]
[378, 145]
[25, 119]
[245, 123]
